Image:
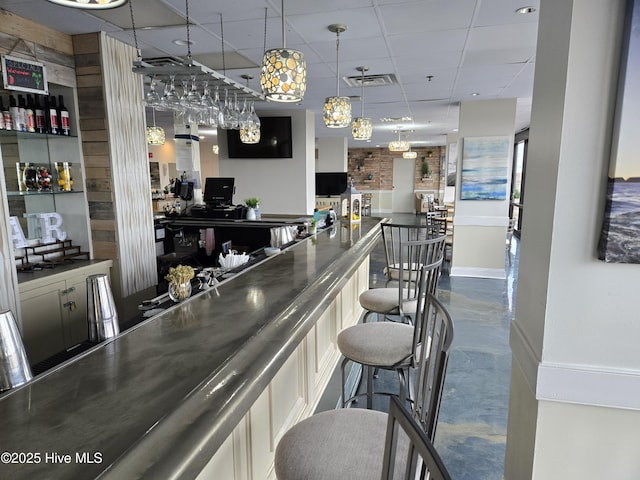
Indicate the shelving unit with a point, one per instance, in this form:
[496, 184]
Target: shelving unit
[41, 152]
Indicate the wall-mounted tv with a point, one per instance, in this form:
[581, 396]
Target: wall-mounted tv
[275, 140]
[331, 183]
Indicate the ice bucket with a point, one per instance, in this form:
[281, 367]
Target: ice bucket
[101, 309]
[14, 365]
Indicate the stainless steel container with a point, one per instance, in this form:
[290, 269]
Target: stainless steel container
[14, 365]
[101, 309]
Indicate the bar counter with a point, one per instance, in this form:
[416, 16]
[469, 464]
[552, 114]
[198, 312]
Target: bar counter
[159, 400]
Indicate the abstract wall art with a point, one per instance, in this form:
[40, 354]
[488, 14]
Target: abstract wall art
[485, 168]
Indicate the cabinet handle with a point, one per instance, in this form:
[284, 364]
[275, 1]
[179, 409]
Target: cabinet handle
[71, 305]
[71, 289]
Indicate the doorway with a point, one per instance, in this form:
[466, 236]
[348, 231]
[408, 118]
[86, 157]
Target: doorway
[404, 171]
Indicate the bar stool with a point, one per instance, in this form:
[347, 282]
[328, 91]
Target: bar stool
[389, 300]
[349, 443]
[389, 345]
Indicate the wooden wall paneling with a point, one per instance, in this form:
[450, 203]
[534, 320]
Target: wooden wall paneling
[34, 32]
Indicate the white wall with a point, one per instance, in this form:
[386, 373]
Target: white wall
[284, 185]
[332, 154]
[575, 334]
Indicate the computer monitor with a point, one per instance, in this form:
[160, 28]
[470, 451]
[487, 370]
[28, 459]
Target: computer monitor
[218, 191]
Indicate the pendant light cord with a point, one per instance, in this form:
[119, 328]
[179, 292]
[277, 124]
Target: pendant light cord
[188, 34]
[362, 94]
[337, 63]
[133, 27]
[264, 43]
[224, 66]
[284, 34]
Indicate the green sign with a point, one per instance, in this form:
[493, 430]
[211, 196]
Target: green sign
[24, 75]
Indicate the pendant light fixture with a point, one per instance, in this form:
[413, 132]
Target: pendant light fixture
[410, 153]
[90, 4]
[361, 128]
[399, 145]
[284, 72]
[155, 135]
[337, 110]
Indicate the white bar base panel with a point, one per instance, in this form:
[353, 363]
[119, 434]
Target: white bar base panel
[292, 395]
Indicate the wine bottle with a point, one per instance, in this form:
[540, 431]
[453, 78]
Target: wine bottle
[1, 115]
[6, 118]
[41, 122]
[23, 112]
[52, 117]
[63, 115]
[14, 111]
[30, 117]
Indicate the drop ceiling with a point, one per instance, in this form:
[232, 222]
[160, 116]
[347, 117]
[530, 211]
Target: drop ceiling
[466, 47]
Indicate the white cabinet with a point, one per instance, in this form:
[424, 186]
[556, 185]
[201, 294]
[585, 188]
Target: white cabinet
[54, 309]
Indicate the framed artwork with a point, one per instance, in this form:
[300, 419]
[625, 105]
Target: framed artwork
[485, 168]
[620, 235]
[452, 160]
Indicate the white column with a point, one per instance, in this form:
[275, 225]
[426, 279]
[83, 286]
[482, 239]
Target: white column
[480, 226]
[575, 387]
[332, 154]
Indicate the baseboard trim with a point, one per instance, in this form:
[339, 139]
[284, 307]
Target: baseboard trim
[477, 272]
[575, 384]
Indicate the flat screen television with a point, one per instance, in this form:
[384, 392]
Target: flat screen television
[275, 140]
[218, 191]
[331, 183]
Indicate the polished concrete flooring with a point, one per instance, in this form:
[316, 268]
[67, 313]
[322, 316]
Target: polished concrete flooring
[472, 425]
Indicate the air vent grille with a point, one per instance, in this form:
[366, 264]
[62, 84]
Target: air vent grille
[379, 80]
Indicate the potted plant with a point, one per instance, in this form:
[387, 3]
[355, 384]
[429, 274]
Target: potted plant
[253, 204]
[179, 279]
[426, 171]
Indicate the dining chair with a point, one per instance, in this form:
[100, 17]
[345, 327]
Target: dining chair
[388, 345]
[350, 442]
[510, 228]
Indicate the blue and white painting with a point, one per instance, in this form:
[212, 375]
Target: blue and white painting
[485, 168]
[620, 236]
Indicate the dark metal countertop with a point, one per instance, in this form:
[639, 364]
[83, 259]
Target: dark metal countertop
[158, 400]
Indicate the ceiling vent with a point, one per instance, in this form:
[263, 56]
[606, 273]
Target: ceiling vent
[164, 61]
[380, 80]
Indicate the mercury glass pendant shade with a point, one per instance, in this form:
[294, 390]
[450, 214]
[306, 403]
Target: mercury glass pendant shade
[155, 135]
[90, 4]
[398, 146]
[250, 134]
[284, 75]
[337, 112]
[362, 128]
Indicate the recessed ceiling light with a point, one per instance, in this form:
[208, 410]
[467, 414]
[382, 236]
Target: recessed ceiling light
[526, 10]
[475, 94]
[183, 43]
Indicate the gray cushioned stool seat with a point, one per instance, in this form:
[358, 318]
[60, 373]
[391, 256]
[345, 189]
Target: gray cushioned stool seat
[385, 300]
[334, 445]
[379, 343]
